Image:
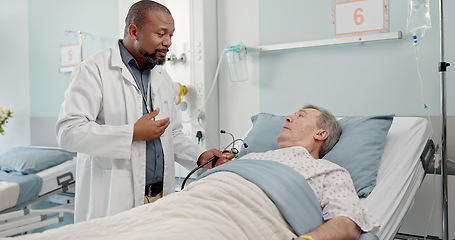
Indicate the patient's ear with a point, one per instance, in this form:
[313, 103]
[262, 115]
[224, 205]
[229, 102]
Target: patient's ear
[321, 135]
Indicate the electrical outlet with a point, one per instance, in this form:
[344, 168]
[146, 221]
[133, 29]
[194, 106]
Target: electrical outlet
[199, 90]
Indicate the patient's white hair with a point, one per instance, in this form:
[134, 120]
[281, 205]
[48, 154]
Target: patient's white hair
[329, 123]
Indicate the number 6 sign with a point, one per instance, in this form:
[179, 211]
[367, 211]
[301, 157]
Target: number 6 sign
[359, 16]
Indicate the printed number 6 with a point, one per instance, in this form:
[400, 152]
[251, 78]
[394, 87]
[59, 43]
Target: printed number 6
[358, 17]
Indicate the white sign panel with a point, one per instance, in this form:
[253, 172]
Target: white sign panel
[359, 16]
[70, 55]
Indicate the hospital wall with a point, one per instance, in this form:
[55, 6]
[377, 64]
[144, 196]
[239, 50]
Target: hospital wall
[355, 79]
[378, 77]
[14, 73]
[32, 85]
[47, 34]
[352, 79]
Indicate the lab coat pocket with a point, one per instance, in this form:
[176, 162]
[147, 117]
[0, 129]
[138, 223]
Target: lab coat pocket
[121, 191]
[164, 110]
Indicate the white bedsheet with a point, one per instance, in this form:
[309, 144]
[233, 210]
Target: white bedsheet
[234, 209]
[400, 173]
[9, 194]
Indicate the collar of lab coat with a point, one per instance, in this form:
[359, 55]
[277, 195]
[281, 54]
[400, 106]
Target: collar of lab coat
[157, 74]
[116, 61]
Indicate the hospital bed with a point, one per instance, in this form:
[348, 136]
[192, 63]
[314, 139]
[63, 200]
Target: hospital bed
[29, 175]
[393, 151]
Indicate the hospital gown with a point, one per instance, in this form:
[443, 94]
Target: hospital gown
[331, 184]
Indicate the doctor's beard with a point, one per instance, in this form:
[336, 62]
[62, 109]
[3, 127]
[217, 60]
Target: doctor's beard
[152, 57]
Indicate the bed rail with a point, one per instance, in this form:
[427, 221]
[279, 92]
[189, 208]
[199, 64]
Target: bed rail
[427, 155]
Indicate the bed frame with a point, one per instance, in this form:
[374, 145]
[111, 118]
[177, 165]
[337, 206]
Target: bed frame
[21, 219]
[408, 152]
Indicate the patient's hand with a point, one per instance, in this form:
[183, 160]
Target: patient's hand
[336, 228]
[222, 157]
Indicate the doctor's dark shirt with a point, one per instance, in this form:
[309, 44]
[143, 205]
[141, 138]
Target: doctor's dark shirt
[154, 150]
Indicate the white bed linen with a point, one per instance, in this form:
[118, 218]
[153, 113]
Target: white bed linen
[9, 194]
[400, 173]
[50, 175]
[225, 206]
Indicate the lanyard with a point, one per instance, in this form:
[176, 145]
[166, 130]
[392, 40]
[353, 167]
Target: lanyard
[145, 98]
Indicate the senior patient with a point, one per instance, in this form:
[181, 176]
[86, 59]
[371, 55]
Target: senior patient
[306, 137]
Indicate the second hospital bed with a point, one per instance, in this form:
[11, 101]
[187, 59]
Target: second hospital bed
[393, 151]
[29, 175]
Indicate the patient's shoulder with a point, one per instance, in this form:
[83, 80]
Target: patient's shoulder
[330, 165]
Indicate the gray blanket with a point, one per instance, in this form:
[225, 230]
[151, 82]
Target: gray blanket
[286, 188]
[30, 185]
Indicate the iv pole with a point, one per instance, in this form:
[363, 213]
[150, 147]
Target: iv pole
[81, 36]
[442, 70]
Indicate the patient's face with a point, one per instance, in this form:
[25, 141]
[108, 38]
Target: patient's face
[299, 129]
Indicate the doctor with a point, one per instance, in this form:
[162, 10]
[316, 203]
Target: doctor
[120, 116]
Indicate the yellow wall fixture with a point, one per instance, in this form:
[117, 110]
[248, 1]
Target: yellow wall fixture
[179, 91]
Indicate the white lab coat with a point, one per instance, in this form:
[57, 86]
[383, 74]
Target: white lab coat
[96, 120]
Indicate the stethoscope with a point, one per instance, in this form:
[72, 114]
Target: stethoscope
[146, 99]
[213, 160]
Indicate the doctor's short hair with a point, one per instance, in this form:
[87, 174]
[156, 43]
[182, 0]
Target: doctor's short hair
[329, 123]
[137, 14]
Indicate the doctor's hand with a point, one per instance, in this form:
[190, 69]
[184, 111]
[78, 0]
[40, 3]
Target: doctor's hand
[146, 129]
[222, 158]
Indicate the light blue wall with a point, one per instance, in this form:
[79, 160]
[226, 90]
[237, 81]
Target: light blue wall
[48, 20]
[352, 79]
[14, 74]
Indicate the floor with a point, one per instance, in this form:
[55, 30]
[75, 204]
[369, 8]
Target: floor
[402, 236]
